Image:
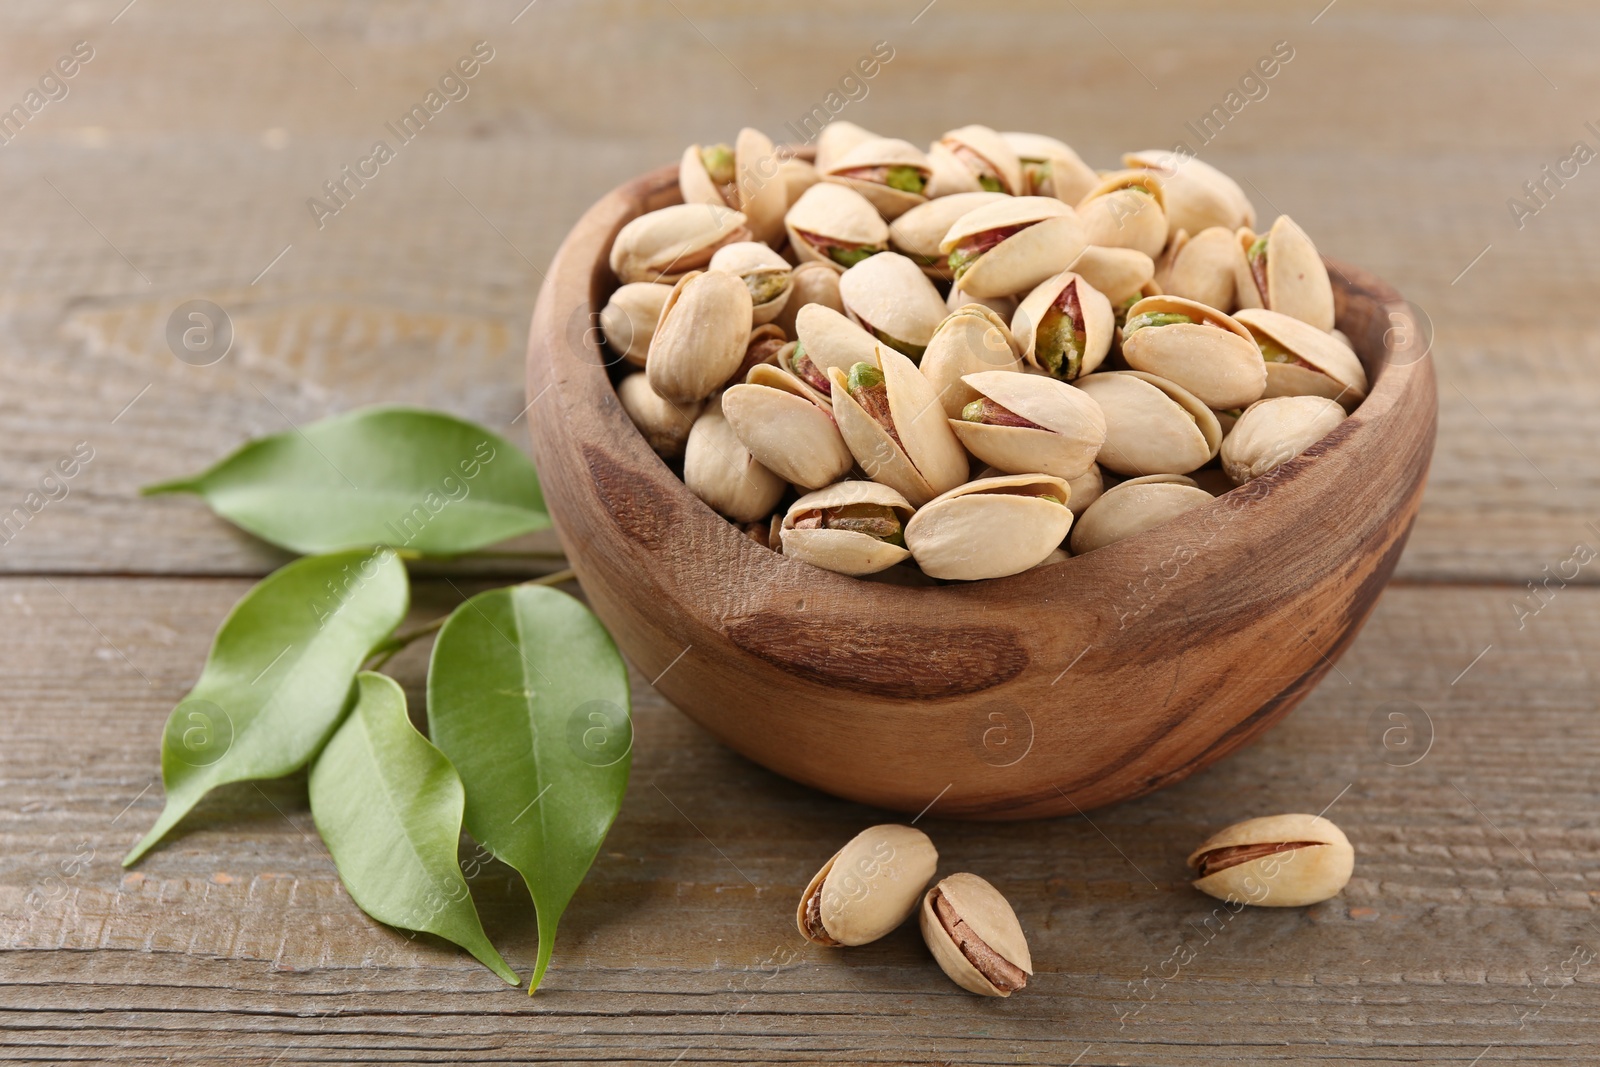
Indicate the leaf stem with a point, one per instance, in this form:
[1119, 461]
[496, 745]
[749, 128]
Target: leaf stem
[387, 650]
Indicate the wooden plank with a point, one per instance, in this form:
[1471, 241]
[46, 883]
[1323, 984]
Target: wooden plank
[1471, 888]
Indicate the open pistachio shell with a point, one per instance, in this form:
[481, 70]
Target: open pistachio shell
[986, 157]
[763, 193]
[1126, 210]
[1203, 268]
[868, 888]
[664, 245]
[830, 339]
[810, 283]
[986, 952]
[787, 432]
[664, 424]
[837, 138]
[889, 172]
[701, 339]
[831, 222]
[842, 546]
[721, 471]
[1272, 432]
[948, 176]
[894, 301]
[1285, 273]
[922, 458]
[798, 176]
[1132, 507]
[1198, 195]
[1051, 168]
[918, 232]
[1153, 426]
[971, 339]
[991, 527]
[629, 318]
[999, 259]
[766, 274]
[1304, 361]
[1210, 355]
[1119, 273]
[1277, 861]
[1039, 329]
[1044, 426]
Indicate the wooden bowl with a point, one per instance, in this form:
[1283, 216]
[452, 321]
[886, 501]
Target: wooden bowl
[1061, 689]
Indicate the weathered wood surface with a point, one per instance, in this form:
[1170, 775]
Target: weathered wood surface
[178, 167]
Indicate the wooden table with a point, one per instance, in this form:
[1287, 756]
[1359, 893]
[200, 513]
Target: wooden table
[178, 167]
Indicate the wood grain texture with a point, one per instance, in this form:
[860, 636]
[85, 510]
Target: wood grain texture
[184, 155]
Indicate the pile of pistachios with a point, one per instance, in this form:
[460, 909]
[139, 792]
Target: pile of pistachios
[967, 362]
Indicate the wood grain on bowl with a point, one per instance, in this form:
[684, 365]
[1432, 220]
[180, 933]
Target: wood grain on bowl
[1057, 690]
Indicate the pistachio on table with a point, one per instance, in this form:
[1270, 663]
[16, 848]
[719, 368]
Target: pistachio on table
[787, 427]
[766, 274]
[971, 339]
[975, 936]
[701, 338]
[1051, 168]
[890, 298]
[1198, 347]
[1134, 506]
[629, 318]
[990, 527]
[1012, 245]
[892, 174]
[892, 420]
[663, 423]
[973, 158]
[1283, 272]
[869, 887]
[719, 470]
[833, 224]
[1064, 326]
[852, 528]
[745, 177]
[1304, 361]
[664, 245]
[1272, 432]
[1031, 424]
[1277, 861]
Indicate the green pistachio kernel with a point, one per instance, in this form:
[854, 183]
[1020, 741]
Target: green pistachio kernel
[1273, 352]
[973, 412]
[863, 376]
[1059, 346]
[990, 184]
[874, 520]
[718, 161]
[905, 348]
[849, 257]
[1153, 318]
[766, 286]
[961, 261]
[906, 179]
[1258, 249]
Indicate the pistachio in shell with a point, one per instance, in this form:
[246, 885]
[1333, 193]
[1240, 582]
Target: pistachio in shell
[891, 419]
[990, 527]
[722, 472]
[1065, 326]
[1204, 268]
[890, 298]
[1272, 432]
[766, 274]
[629, 318]
[1119, 273]
[971, 339]
[1302, 360]
[810, 283]
[1134, 506]
[974, 158]
[1086, 489]
[1003, 306]
[837, 138]
[836, 225]
[1051, 168]
[1153, 426]
[798, 176]
[701, 339]
[975, 937]
[1012, 245]
[664, 245]
[664, 424]
[1284, 272]
[778, 421]
[889, 172]
[1198, 347]
[853, 528]
[918, 232]
[828, 339]
[869, 887]
[1276, 861]
[746, 177]
[1126, 210]
[1031, 424]
[1198, 195]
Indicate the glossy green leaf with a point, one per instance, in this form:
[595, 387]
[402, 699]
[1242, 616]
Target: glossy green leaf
[388, 805]
[528, 698]
[403, 477]
[278, 676]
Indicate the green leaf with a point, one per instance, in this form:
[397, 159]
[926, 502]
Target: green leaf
[403, 477]
[278, 676]
[388, 804]
[528, 698]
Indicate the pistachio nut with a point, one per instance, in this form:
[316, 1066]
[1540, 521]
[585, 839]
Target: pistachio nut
[1126, 210]
[629, 318]
[890, 297]
[1153, 426]
[746, 177]
[1203, 268]
[1031, 424]
[971, 339]
[1198, 195]
[1003, 306]
[775, 416]
[1272, 432]
[827, 339]
[810, 283]
[918, 232]
[1086, 489]
[722, 472]
[836, 225]
[990, 527]
[1065, 326]
[1134, 506]
[701, 339]
[1198, 347]
[974, 158]
[664, 245]
[852, 528]
[764, 347]
[975, 937]
[664, 424]
[1119, 273]
[1276, 861]
[1284, 272]
[868, 888]
[797, 176]
[1051, 168]
[1303, 361]
[889, 172]
[837, 138]
[891, 419]
[1012, 245]
[766, 274]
